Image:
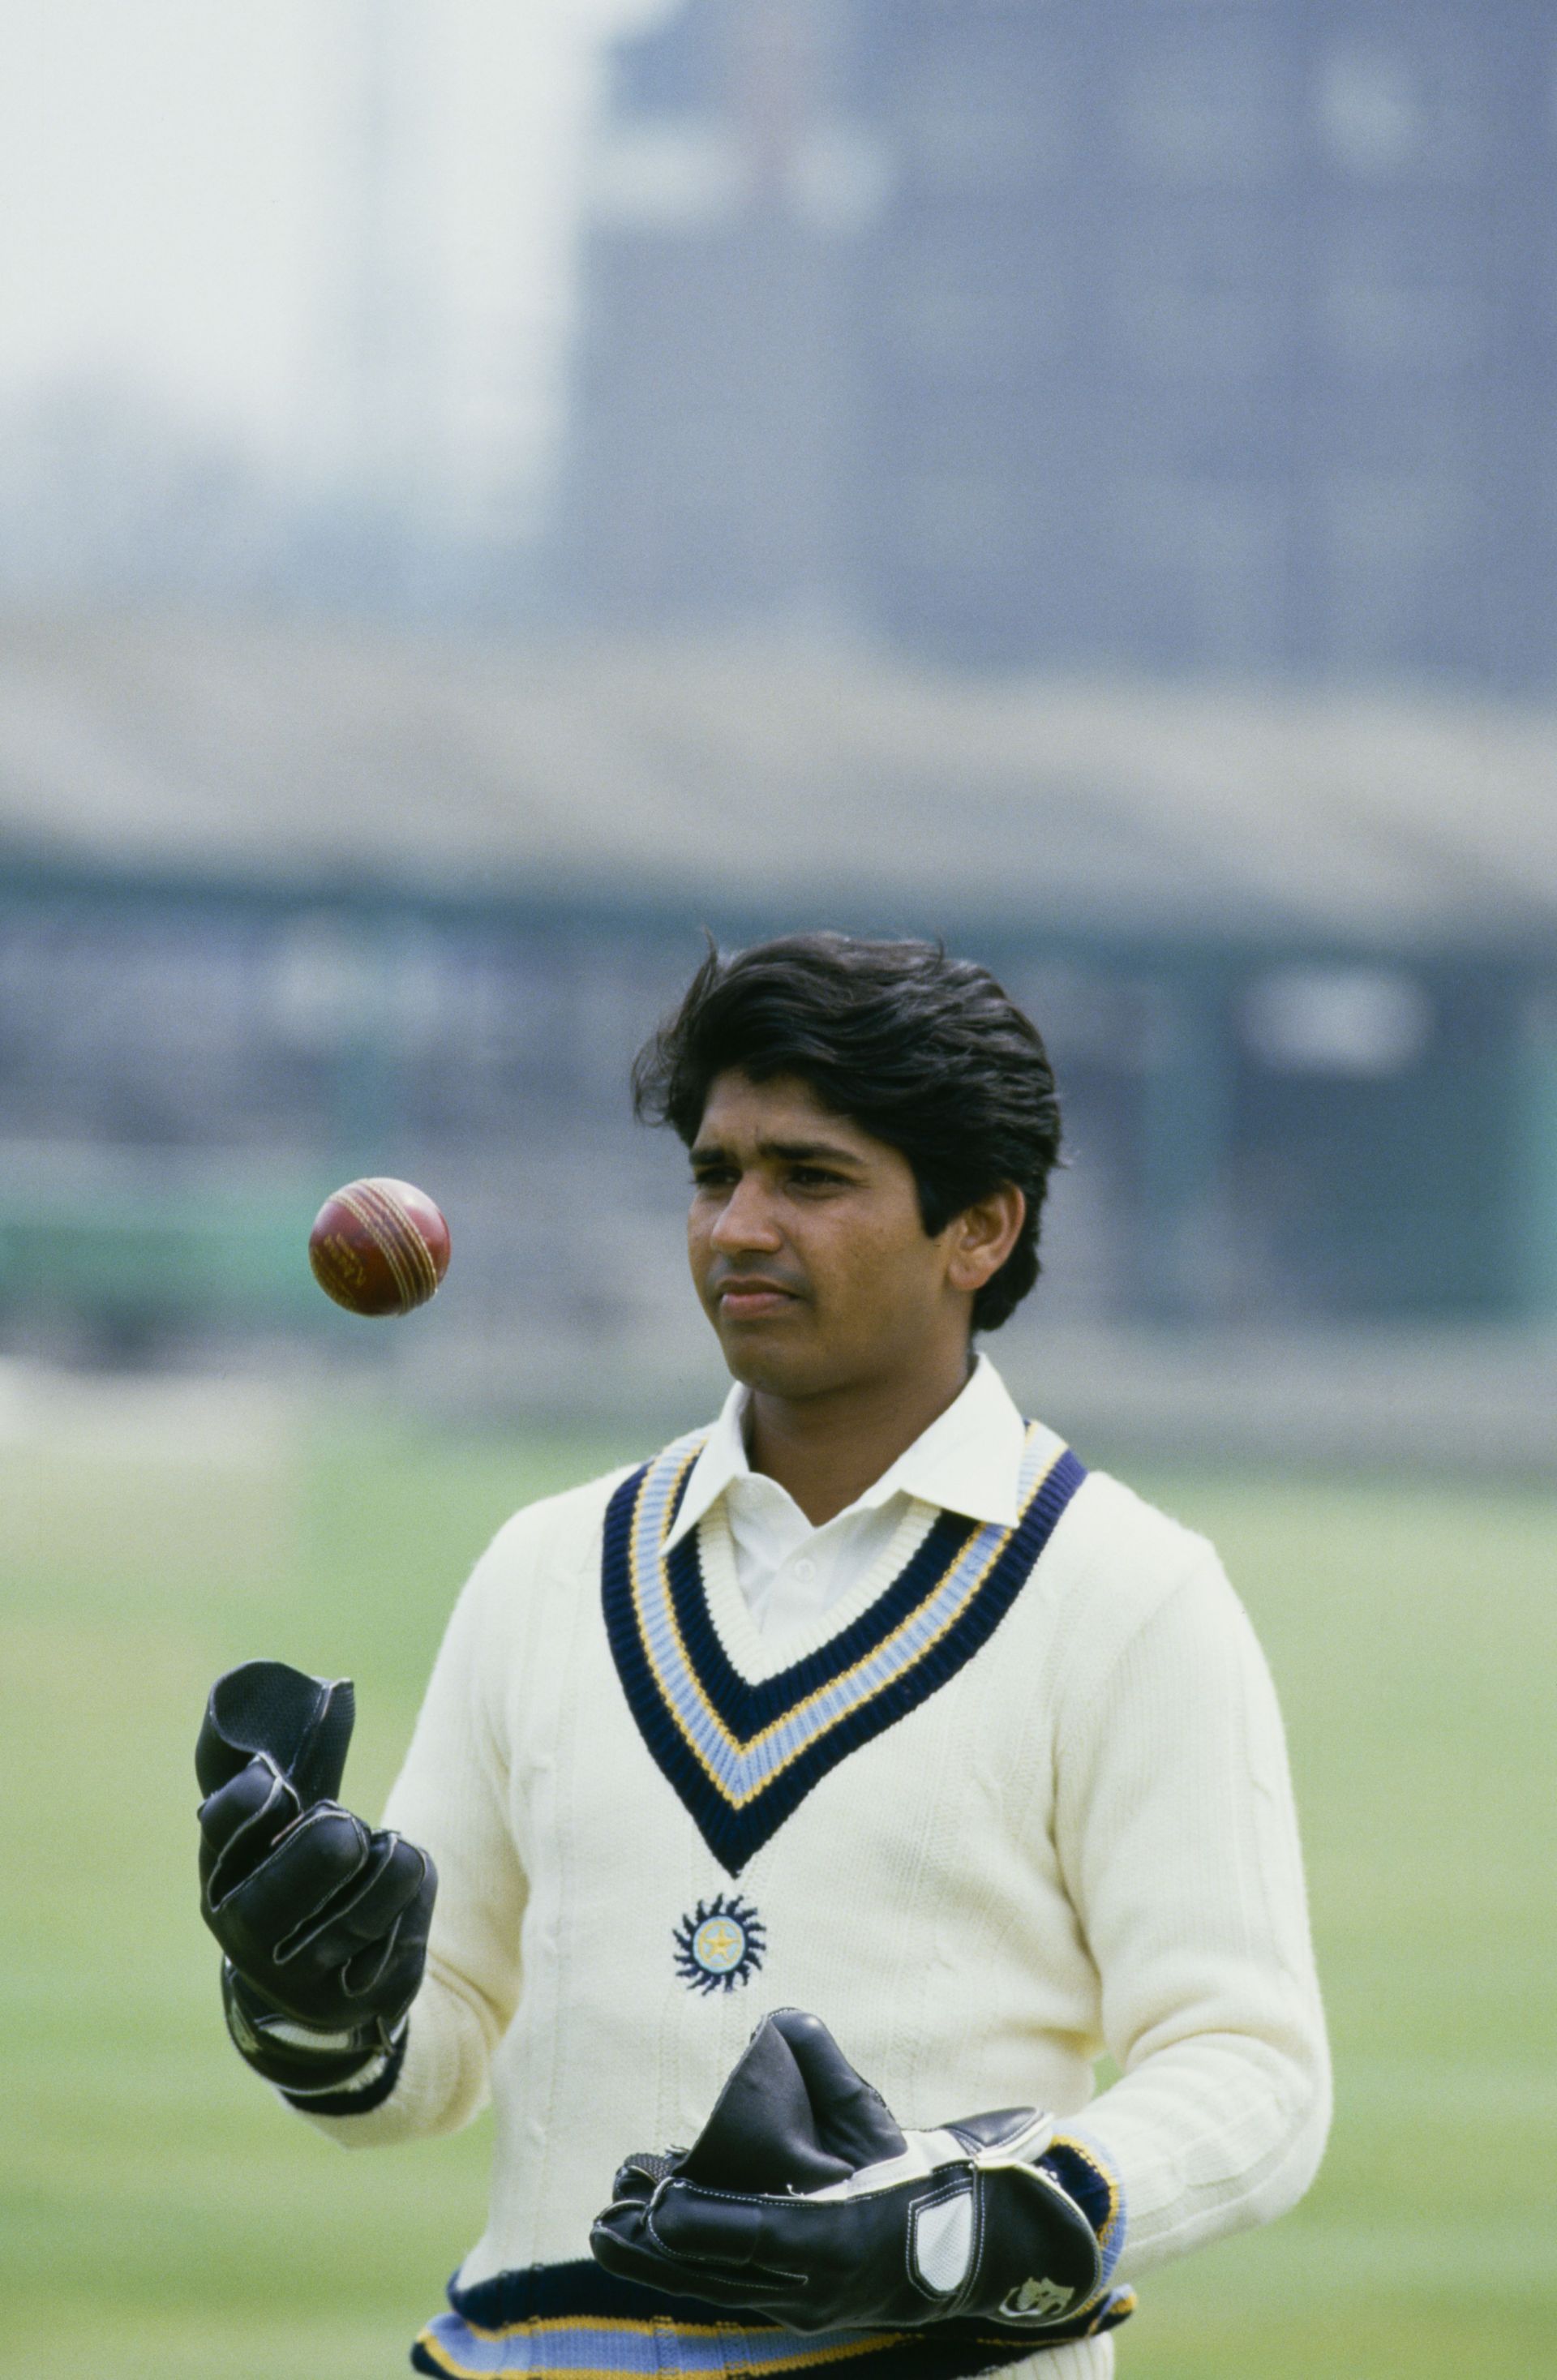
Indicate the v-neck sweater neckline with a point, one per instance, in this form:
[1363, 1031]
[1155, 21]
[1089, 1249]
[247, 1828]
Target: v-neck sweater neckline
[757, 1655]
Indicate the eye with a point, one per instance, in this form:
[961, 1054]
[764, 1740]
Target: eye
[811, 1177]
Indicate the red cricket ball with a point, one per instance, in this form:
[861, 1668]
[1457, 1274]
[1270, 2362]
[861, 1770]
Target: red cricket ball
[379, 1246]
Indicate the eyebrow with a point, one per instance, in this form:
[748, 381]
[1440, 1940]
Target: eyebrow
[793, 1152]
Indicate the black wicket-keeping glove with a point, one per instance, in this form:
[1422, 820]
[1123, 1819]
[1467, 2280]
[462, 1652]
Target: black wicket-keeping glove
[802, 2201]
[324, 1920]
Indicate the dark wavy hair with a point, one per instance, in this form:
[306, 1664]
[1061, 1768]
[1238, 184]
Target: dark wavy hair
[923, 1052]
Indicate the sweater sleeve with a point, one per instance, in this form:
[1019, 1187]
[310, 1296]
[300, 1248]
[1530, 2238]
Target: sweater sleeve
[451, 1798]
[1178, 1837]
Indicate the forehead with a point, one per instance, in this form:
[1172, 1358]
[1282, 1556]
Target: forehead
[739, 1112]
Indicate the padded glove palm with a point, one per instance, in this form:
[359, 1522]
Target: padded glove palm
[322, 1920]
[804, 2202]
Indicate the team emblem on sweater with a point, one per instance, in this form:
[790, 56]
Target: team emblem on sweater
[720, 1945]
[742, 1756]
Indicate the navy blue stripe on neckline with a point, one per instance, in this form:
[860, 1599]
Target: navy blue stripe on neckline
[745, 1708]
[734, 1834]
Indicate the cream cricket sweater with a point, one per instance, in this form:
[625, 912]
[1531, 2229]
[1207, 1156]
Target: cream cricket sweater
[988, 1816]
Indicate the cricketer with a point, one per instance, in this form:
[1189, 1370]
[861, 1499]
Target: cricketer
[794, 1821]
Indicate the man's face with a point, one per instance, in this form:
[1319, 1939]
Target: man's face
[807, 1244]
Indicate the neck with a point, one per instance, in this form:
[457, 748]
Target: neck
[827, 1448]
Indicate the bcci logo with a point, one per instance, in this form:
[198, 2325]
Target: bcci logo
[721, 1944]
[1037, 2300]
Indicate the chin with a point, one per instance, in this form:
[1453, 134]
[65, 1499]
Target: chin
[757, 1365]
[753, 1370]
[774, 1371]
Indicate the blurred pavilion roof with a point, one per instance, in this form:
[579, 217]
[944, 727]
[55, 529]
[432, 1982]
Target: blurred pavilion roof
[755, 775]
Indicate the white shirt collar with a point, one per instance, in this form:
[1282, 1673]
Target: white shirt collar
[967, 1461]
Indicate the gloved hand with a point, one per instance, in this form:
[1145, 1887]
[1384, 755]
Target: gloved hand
[322, 1920]
[803, 2201]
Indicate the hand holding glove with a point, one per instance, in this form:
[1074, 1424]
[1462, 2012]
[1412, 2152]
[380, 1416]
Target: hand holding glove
[802, 2201]
[324, 1920]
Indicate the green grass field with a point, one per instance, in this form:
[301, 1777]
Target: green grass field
[163, 2216]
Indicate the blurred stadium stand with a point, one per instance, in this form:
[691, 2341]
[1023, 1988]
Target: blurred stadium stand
[284, 902]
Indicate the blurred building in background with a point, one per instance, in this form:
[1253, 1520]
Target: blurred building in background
[712, 458]
[1078, 480]
[1120, 331]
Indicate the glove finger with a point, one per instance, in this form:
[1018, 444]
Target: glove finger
[364, 1910]
[318, 1857]
[389, 1972]
[224, 1812]
[802, 2250]
[621, 2244]
[853, 2120]
[239, 1825]
[337, 1978]
[720, 2227]
[641, 2175]
[304, 1723]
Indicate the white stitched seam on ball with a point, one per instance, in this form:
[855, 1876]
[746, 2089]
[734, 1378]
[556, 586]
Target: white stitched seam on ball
[394, 1235]
[408, 1249]
[943, 2241]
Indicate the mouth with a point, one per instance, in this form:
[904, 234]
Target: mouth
[752, 1300]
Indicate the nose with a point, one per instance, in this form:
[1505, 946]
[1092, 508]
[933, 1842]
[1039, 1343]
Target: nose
[747, 1219]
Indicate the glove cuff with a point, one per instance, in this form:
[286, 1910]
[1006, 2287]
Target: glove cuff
[300, 2060]
[364, 2092]
[1087, 2177]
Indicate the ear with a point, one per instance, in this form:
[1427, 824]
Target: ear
[982, 1236]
